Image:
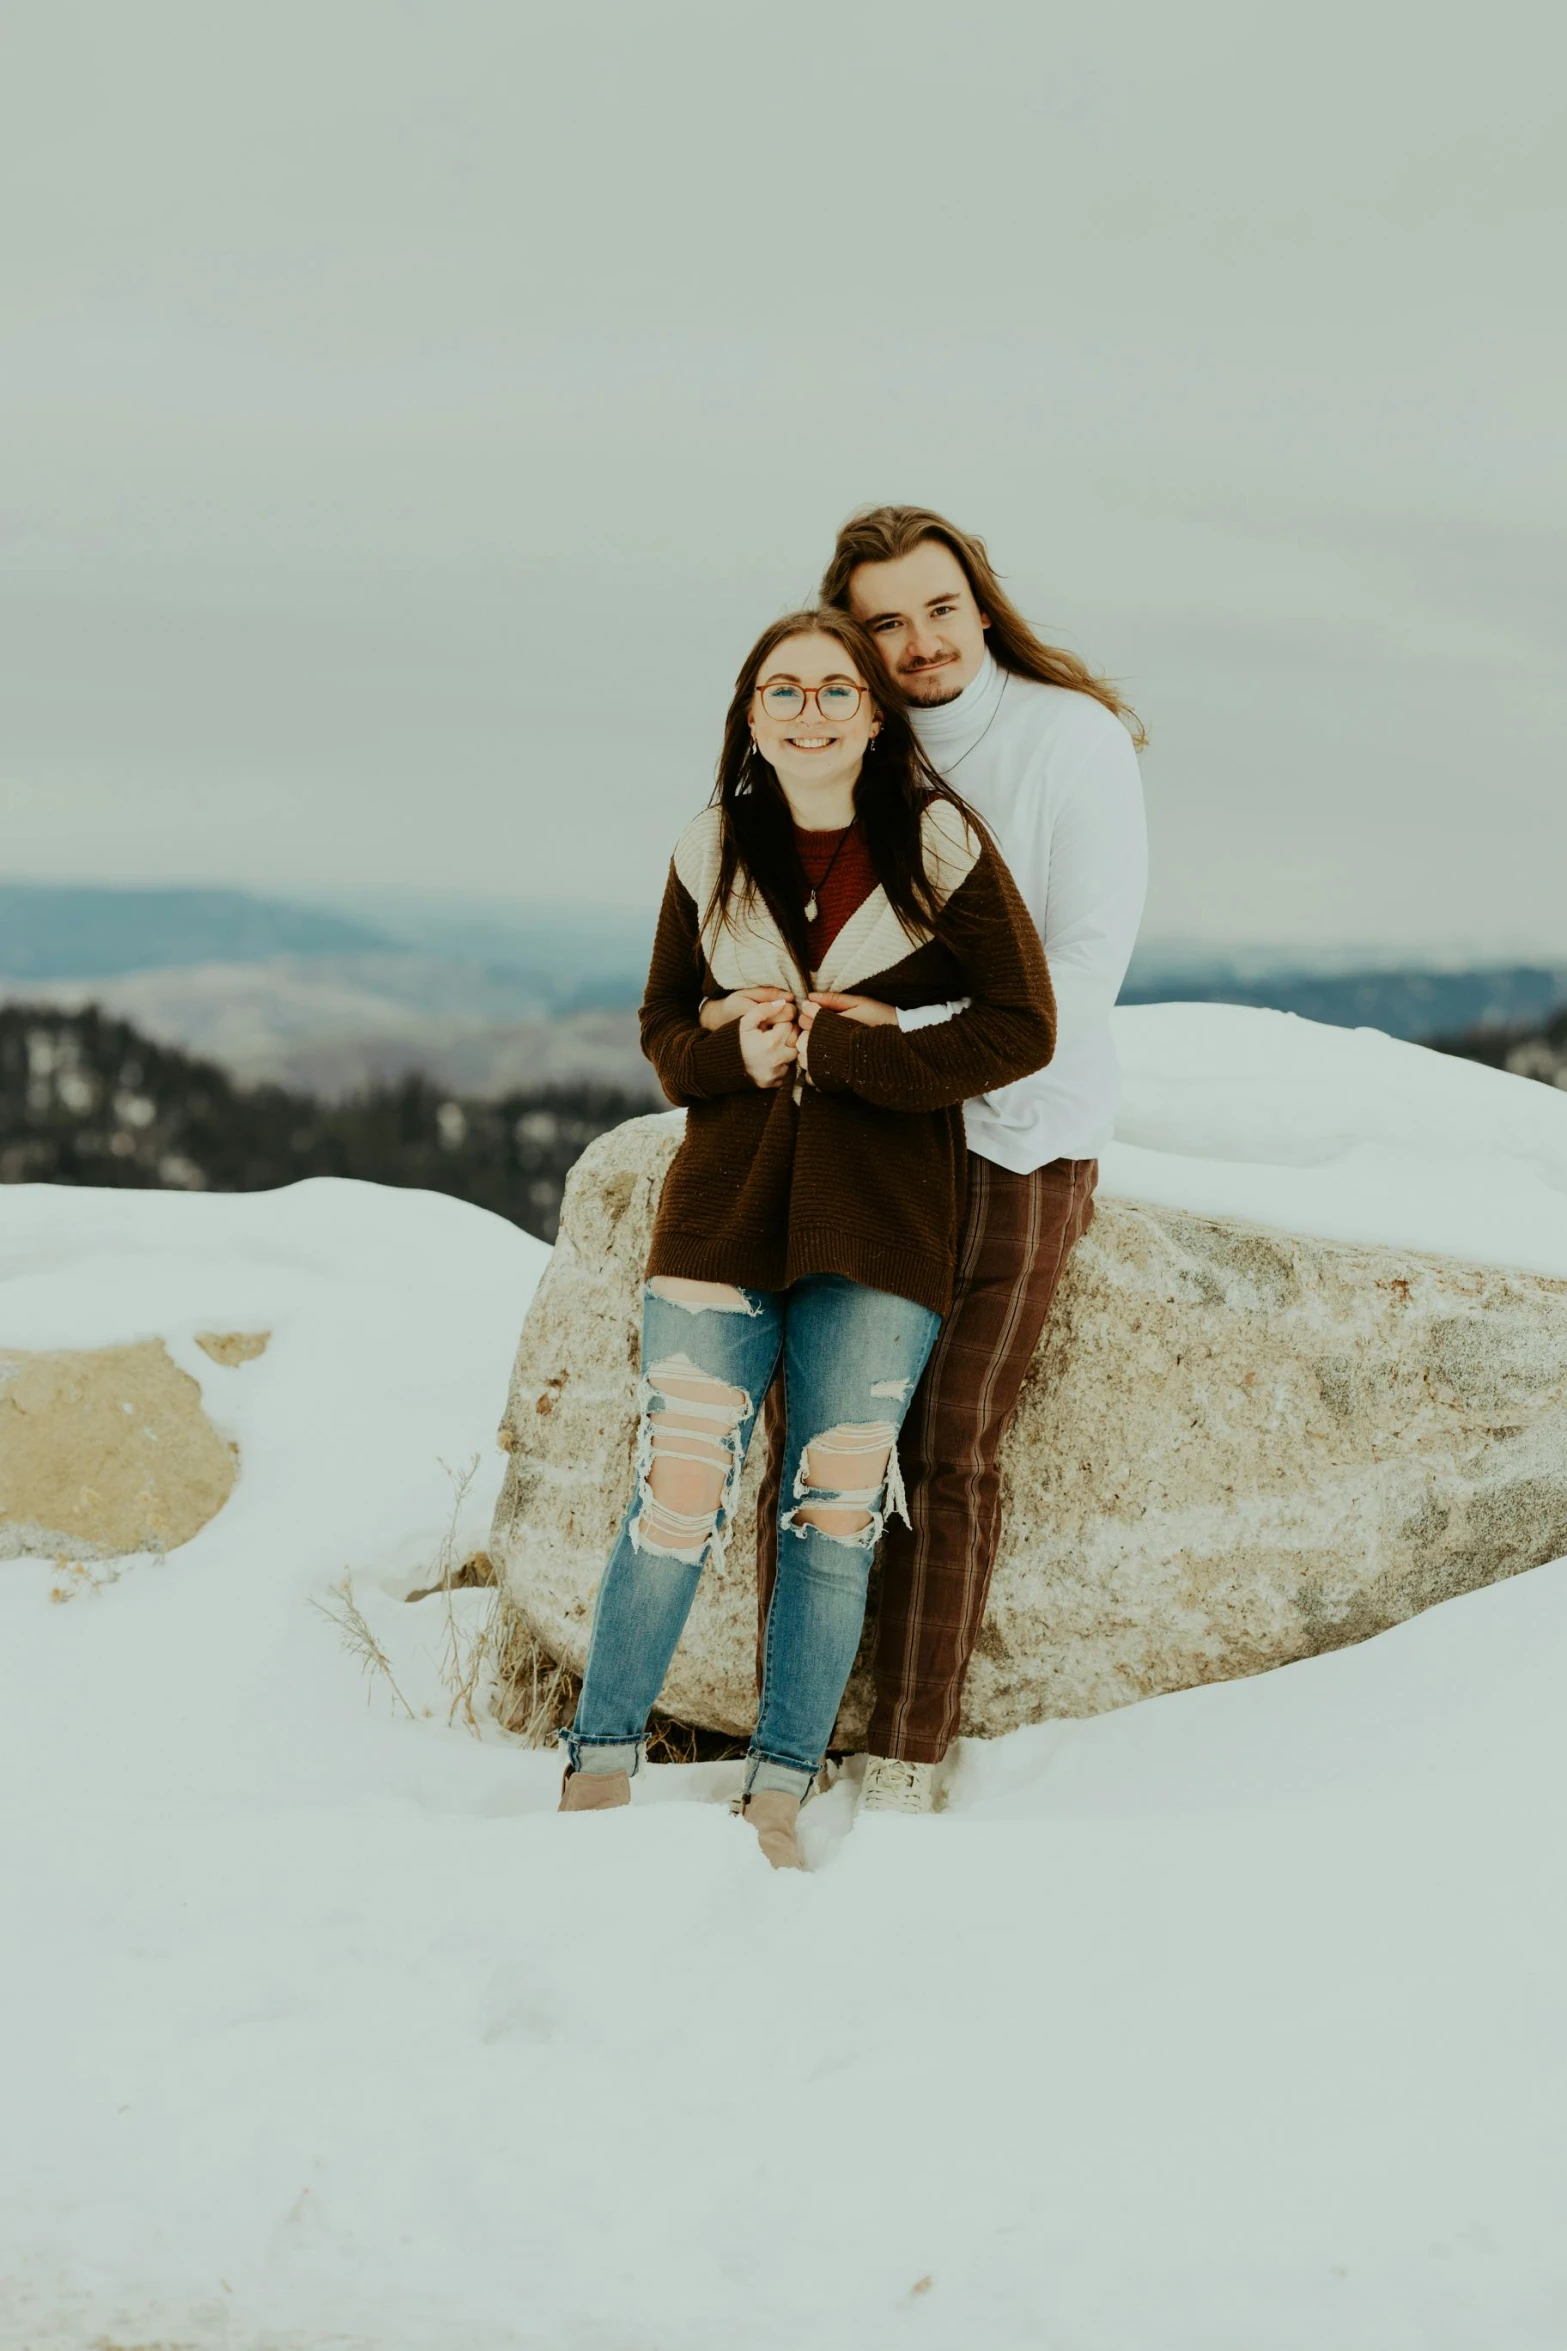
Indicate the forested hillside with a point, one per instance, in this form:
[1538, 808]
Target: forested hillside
[85, 1099]
[1527, 1052]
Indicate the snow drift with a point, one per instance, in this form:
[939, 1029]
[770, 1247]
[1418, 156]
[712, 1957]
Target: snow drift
[1230, 2020]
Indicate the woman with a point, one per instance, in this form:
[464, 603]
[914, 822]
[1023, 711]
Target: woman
[832, 888]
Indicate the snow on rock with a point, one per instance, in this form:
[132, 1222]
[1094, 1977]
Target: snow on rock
[1345, 1133]
[1226, 2022]
[1235, 1447]
[391, 1318]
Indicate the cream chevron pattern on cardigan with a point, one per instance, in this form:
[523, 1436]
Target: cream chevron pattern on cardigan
[744, 946]
[860, 1171]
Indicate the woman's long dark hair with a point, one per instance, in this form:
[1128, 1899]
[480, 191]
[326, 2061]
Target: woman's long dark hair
[758, 857]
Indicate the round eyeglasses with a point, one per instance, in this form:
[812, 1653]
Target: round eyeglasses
[837, 700]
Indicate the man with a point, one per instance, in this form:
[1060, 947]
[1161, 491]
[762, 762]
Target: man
[1037, 744]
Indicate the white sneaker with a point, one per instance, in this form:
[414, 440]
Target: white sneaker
[891, 1786]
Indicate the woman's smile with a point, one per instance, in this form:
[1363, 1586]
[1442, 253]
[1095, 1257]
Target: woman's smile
[812, 709]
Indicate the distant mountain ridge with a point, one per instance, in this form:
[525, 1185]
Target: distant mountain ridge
[1414, 1004]
[59, 931]
[487, 961]
[332, 1025]
[350, 989]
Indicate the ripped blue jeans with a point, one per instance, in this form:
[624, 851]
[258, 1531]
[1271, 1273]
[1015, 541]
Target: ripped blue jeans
[852, 1359]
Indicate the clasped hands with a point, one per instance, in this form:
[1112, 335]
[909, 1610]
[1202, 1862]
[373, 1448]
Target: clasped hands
[775, 1027]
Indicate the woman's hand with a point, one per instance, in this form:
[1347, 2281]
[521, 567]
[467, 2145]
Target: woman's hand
[768, 1037]
[868, 1009]
[718, 1011]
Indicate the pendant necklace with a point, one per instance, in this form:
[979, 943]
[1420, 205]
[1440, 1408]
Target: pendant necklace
[983, 732]
[811, 908]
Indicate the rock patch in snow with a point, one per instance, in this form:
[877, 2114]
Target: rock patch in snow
[1235, 1447]
[232, 1348]
[105, 1451]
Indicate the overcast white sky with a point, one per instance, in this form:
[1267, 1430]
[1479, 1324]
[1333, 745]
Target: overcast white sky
[413, 410]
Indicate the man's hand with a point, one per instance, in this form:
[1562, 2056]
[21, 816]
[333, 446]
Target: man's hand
[769, 1037]
[718, 1011]
[868, 1009]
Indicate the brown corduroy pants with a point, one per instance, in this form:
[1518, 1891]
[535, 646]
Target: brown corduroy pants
[935, 1574]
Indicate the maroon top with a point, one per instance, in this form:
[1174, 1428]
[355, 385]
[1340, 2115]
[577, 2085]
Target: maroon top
[839, 870]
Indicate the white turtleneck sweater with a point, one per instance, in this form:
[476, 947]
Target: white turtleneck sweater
[1054, 775]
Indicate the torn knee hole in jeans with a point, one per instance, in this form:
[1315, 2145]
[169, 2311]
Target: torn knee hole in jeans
[848, 1485]
[701, 1297]
[688, 1459]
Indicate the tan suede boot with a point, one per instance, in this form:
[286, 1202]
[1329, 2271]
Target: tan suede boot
[594, 1791]
[773, 1815]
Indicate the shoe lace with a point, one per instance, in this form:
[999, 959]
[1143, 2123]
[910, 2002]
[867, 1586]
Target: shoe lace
[888, 1776]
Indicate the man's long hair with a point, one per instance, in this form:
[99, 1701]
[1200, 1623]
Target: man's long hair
[884, 534]
[896, 783]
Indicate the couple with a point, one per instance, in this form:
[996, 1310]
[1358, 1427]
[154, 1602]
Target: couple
[893, 1110]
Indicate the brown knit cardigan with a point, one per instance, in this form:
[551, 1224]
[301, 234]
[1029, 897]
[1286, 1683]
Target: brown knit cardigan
[861, 1168]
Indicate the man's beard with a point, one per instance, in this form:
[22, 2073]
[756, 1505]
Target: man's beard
[929, 701]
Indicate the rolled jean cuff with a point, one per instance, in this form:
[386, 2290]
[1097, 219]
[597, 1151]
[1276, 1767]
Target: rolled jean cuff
[764, 1776]
[601, 1756]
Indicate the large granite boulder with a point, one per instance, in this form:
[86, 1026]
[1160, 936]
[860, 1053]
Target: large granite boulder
[1234, 1447]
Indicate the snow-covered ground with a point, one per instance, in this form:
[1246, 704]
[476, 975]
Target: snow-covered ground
[1231, 2022]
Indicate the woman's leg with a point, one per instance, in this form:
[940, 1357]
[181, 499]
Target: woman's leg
[708, 1353]
[852, 1360]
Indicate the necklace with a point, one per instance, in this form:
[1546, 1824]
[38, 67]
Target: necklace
[812, 910]
[984, 730]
